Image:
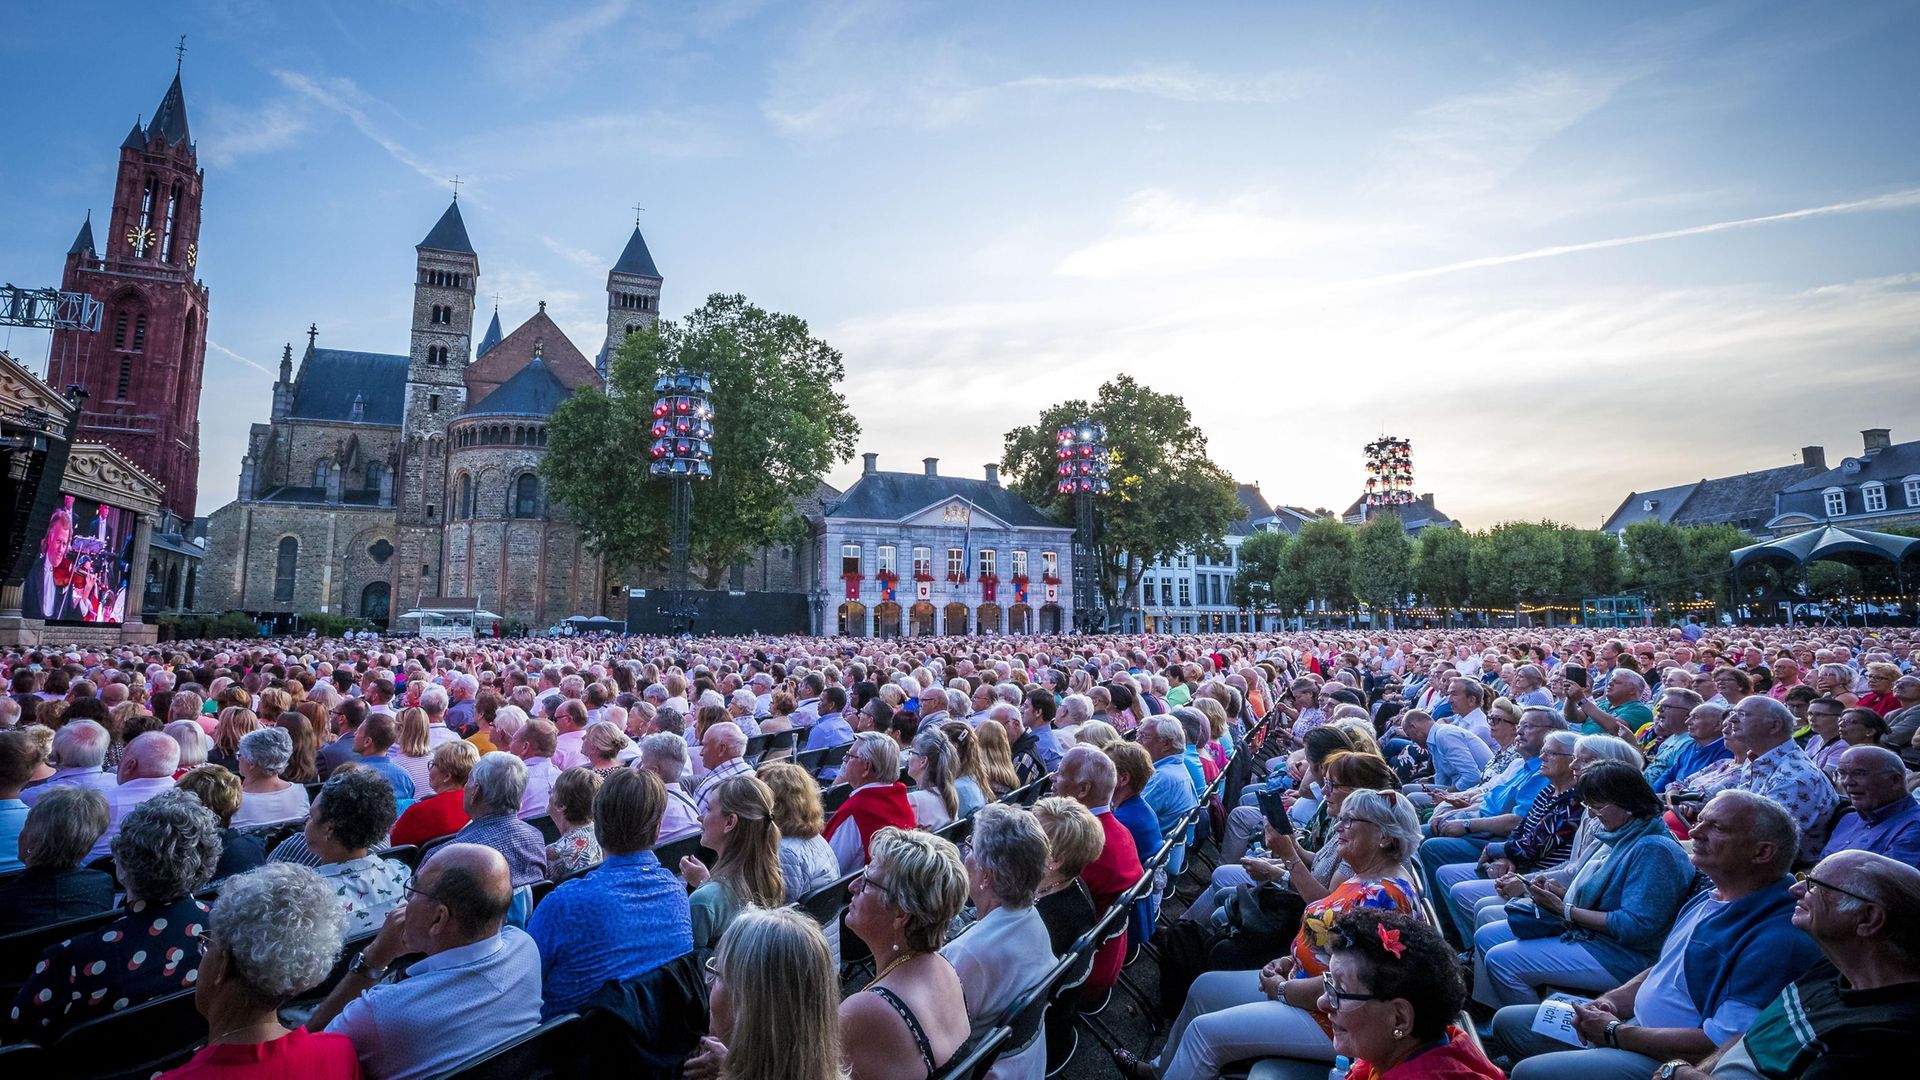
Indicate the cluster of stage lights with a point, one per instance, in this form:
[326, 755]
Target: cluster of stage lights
[1389, 472]
[682, 426]
[1083, 458]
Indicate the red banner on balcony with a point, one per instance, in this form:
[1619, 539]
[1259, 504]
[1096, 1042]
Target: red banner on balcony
[853, 585]
[989, 588]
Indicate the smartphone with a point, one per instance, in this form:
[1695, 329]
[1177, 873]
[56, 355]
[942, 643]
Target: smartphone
[1274, 807]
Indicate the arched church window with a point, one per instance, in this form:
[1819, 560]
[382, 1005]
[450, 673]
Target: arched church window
[526, 496]
[466, 495]
[283, 570]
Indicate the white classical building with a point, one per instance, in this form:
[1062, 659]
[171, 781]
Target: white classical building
[1193, 593]
[924, 554]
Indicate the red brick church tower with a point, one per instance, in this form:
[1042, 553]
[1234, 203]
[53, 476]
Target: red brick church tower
[142, 370]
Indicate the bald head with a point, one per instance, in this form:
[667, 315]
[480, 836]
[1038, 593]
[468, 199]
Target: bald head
[1086, 775]
[474, 886]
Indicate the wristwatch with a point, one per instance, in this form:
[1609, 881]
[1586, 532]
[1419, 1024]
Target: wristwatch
[1667, 1070]
[1612, 1034]
[359, 966]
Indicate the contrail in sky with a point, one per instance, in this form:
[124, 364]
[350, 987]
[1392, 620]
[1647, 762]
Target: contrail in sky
[1897, 200]
[217, 347]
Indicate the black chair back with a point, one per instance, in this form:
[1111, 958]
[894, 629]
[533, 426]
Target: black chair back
[303, 1004]
[956, 831]
[20, 951]
[834, 797]
[551, 1051]
[671, 854]
[427, 849]
[24, 1059]
[979, 1061]
[827, 902]
[135, 1042]
[403, 853]
[548, 830]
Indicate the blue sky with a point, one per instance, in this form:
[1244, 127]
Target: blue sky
[1523, 236]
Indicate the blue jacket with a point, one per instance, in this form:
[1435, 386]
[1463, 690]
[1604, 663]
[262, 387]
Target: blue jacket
[1649, 879]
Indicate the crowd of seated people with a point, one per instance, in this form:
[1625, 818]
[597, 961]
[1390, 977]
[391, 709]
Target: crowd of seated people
[1461, 822]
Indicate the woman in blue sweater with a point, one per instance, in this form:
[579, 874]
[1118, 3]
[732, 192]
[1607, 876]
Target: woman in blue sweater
[1607, 923]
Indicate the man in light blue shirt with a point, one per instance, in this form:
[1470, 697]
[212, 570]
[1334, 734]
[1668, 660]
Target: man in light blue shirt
[477, 987]
[1170, 794]
[1458, 754]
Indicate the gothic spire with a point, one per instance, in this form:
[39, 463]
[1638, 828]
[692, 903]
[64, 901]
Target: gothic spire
[449, 233]
[492, 336]
[170, 119]
[636, 259]
[83, 243]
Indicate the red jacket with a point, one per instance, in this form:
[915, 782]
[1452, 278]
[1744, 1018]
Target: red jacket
[430, 818]
[1114, 872]
[873, 809]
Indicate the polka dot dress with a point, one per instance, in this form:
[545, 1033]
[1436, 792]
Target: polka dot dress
[153, 951]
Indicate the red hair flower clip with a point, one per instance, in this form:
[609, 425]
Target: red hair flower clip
[1390, 941]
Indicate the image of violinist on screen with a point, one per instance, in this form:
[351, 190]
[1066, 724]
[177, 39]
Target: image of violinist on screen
[74, 578]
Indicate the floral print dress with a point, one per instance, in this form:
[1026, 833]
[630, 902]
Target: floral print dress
[576, 850]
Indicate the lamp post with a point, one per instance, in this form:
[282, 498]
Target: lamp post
[682, 452]
[1082, 474]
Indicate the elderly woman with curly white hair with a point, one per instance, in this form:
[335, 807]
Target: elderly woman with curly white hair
[264, 796]
[274, 933]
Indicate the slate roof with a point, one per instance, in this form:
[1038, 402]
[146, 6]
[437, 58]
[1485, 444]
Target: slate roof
[1666, 503]
[1289, 518]
[891, 496]
[1745, 500]
[1419, 514]
[636, 259]
[1889, 466]
[533, 392]
[135, 140]
[170, 119]
[449, 233]
[1254, 507]
[83, 243]
[329, 380]
[515, 351]
[491, 337]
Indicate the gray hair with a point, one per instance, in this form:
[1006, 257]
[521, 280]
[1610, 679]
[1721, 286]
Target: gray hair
[153, 754]
[168, 846]
[1010, 848]
[1550, 717]
[508, 722]
[1772, 823]
[267, 749]
[729, 736]
[1392, 813]
[1629, 678]
[434, 700]
[1563, 742]
[280, 927]
[1166, 728]
[959, 703]
[667, 718]
[81, 744]
[745, 699]
[1476, 689]
[63, 826]
[1776, 711]
[881, 752]
[665, 753]
[1607, 748]
[1004, 714]
[1194, 728]
[193, 742]
[497, 784]
[1008, 692]
[1879, 758]
[1077, 708]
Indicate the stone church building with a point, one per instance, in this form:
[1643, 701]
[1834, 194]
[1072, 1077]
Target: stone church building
[382, 479]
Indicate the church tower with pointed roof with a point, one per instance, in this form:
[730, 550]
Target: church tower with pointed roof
[142, 371]
[633, 297]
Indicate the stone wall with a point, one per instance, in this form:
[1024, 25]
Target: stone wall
[337, 556]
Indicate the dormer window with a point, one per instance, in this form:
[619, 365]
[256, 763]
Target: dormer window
[1912, 486]
[1873, 497]
[1836, 502]
[1647, 506]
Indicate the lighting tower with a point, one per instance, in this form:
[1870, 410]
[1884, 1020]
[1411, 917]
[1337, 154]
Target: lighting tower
[1083, 475]
[1389, 472]
[682, 452]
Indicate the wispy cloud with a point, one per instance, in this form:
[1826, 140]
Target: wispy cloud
[230, 133]
[1175, 85]
[581, 257]
[236, 357]
[1904, 199]
[342, 96]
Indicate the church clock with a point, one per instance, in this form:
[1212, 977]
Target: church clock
[140, 237]
[193, 255]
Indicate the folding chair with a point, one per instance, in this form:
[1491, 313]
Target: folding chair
[979, 1062]
[20, 951]
[134, 1043]
[549, 1052]
[403, 853]
[548, 830]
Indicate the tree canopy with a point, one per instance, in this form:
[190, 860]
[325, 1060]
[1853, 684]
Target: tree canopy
[1382, 576]
[1168, 496]
[780, 423]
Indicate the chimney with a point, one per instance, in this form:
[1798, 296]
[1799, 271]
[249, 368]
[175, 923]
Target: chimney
[1814, 456]
[932, 464]
[872, 464]
[993, 476]
[1876, 439]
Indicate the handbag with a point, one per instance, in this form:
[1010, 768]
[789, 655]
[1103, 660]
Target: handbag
[1527, 922]
[1264, 912]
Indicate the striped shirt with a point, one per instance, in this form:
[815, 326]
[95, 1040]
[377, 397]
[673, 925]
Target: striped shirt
[1545, 836]
[520, 843]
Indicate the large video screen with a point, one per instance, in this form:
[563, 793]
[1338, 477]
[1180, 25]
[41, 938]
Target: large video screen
[80, 564]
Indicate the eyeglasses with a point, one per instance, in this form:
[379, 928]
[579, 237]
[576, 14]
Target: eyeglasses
[410, 892]
[1339, 997]
[1555, 753]
[712, 968]
[1810, 883]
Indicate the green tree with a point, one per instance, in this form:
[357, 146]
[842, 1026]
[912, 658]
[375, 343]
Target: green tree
[1382, 574]
[780, 423]
[1589, 564]
[1320, 562]
[1518, 563]
[1657, 562]
[1707, 563]
[1168, 497]
[1260, 559]
[1442, 567]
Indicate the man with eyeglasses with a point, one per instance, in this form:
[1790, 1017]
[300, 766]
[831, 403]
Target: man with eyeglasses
[1855, 1013]
[1885, 818]
[1732, 949]
[477, 987]
[1779, 769]
[879, 799]
[1670, 718]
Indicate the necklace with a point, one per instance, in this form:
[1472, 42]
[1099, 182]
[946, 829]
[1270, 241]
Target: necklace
[888, 970]
[248, 1027]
